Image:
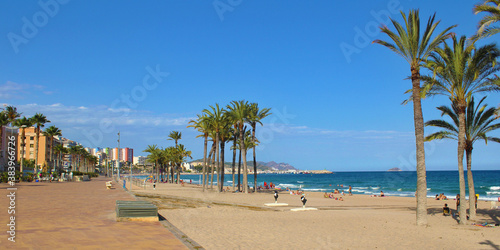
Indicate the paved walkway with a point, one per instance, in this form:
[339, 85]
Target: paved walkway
[76, 215]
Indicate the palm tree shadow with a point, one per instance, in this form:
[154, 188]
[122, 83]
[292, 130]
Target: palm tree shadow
[439, 212]
[490, 243]
[493, 214]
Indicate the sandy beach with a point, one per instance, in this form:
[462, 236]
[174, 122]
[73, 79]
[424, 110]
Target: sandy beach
[238, 221]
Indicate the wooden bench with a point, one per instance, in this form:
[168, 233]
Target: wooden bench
[109, 185]
[136, 211]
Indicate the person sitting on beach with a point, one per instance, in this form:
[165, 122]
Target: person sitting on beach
[336, 191]
[437, 197]
[325, 195]
[443, 197]
[382, 194]
[446, 210]
[341, 199]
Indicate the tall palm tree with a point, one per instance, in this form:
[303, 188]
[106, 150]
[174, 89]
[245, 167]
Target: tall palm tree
[59, 151]
[255, 118]
[459, 72]
[50, 132]
[225, 135]
[39, 121]
[478, 122]
[154, 155]
[415, 48]
[239, 111]
[487, 25]
[12, 114]
[202, 124]
[4, 120]
[181, 153]
[175, 135]
[73, 151]
[216, 117]
[22, 123]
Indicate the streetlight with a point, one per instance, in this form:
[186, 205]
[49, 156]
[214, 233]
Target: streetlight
[22, 148]
[118, 160]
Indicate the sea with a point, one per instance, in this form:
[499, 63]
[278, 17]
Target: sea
[402, 183]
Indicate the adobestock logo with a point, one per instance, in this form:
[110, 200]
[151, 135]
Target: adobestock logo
[364, 37]
[40, 19]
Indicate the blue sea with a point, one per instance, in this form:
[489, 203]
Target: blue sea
[487, 183]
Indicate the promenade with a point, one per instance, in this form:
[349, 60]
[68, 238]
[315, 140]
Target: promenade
[76, 215]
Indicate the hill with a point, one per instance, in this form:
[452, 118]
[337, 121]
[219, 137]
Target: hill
[263, 166]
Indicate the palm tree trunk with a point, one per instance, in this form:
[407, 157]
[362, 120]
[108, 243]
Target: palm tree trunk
[470, 181]
[254, 161]
[239, 172]
[218, 160]
[178, 173]
[213, 166]
[245, 168]
[204, 163]
[234, 160]
[461, 178]
[222, 171]
[419, 140]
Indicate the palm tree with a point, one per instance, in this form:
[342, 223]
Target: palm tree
[459, 72]
[22, 123]
[39, 121]
[202, 124]
[415, 49]
[256, 116]
[175, 135]
[12, 114]
[239, 111]
[486, 26]
[4, 120]
[181, 153]
[154, 155]
[234, 138]
[216, 120]
[225, 135]
[478, 123]
[50, 132]
[59, 150]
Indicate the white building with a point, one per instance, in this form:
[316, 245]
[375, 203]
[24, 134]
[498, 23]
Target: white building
[139, 160]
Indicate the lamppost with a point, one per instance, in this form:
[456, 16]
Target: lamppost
[22, 148]
[118, 160]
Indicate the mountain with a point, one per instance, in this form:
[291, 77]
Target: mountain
[394, 170]
[272, 166]
[277, 166]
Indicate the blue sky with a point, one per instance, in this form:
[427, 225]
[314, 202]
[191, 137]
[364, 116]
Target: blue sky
[146, 68]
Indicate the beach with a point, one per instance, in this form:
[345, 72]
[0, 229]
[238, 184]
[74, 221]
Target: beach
[82, 215]
[241, 221]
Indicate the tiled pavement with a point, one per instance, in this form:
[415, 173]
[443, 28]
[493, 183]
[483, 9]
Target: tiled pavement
[76, 215]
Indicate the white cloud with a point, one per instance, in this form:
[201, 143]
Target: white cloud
[12, 90]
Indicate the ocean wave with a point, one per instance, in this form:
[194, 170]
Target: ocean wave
[315, 189]
[285, 185]
[494, 188]
[375, 188]
[360, 187]
[300, 182]
[492, 192]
